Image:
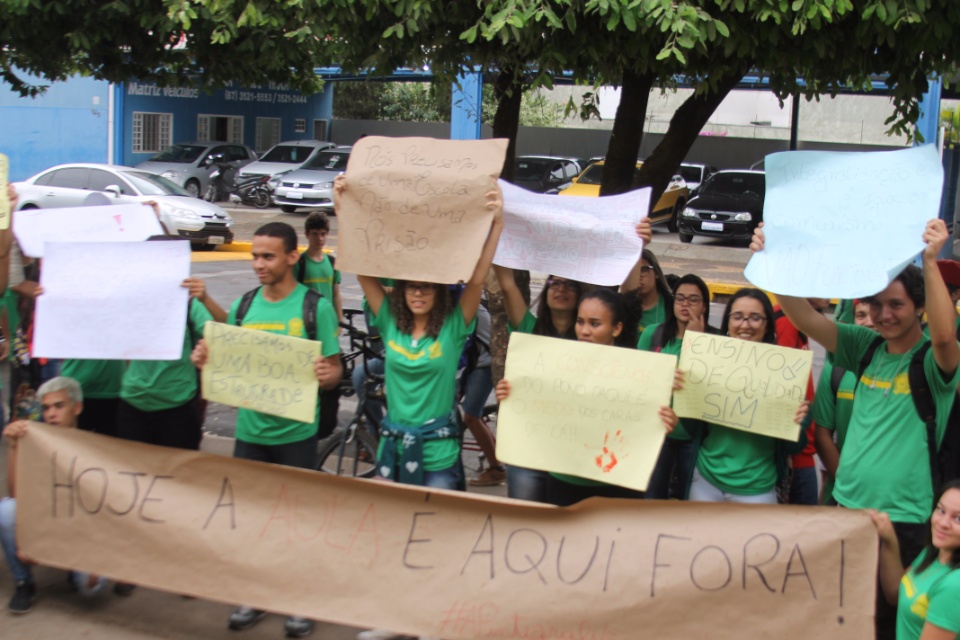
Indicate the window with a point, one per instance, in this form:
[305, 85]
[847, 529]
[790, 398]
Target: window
[300, 125]
[74, 178]
[212, 128]
[268, 133]
[152, 132]
[99, 181]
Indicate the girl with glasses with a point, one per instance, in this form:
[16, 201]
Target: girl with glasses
[647, 291]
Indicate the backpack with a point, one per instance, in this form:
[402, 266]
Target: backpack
[300, 269]
[310, 301]
[945, 461]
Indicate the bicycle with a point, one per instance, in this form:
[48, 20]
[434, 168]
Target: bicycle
[353, 450]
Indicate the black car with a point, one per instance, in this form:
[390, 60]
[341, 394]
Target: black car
[728, 205]
[543, 173]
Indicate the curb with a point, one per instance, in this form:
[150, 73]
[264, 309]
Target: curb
[246, 247]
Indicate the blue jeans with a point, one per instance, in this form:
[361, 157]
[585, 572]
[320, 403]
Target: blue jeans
[8, 521]
[450, 478]
[803, 488]
[478, 387]
[527, 484]
[671, 471]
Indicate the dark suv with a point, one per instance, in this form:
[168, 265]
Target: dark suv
[728, 205]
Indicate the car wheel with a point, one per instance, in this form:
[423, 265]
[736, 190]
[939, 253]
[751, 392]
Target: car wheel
[193, 188]
[686, 238]
[286, 208]
[27, 207]
[673, 224]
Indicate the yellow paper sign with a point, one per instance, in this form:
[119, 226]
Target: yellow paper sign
[415, 208]
[751, 386]
[4, 198]
[584, 409]
[262, 371]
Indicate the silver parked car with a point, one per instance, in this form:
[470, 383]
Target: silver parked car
[283, 158]
[312, 186]
[68, 185]
[188, 163]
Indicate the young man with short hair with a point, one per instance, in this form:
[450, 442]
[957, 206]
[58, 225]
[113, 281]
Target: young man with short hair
[277, 306]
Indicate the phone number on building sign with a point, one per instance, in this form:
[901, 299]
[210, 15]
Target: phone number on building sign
[262, 96]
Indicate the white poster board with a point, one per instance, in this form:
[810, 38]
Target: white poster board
[578, 237]
[112, 223]
[112, 301]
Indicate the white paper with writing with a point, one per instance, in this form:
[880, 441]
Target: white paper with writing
[112, 223]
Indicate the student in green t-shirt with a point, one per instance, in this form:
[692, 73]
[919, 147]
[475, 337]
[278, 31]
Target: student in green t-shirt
[647, 291]
[733, 465]
[885, 463]
[927, 594]
[277, 307]
[690, 310]
[424, 334]
[603, 318]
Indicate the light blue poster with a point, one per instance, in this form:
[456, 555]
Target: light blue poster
[843, 225]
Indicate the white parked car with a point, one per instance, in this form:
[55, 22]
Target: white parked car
[68, 185]
[312, 186]
[283, 158]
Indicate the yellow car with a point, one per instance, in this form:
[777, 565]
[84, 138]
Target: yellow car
[668, 207]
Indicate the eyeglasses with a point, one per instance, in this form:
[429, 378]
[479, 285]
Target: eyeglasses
[644, 270]
[682, 299]
[423, 288]
[557, 283]
[756, 319]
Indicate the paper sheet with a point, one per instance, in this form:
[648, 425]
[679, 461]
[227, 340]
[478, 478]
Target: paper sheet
[111, 223]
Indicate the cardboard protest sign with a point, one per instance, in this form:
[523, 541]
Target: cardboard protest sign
[415, 208]
[437, 563]
[112, 301]
[262, 371]
[843, 225]
[112, 223]
[584, 409]
[587, 239]
[751, 386]
[4, 198]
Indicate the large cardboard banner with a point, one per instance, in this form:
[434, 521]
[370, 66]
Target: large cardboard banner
[112, 301]
[262, 371]
[114, 223]
[584, 409]
[415, 208]
[843, 225]
[587, 239]
[743, 385]
[434, 563]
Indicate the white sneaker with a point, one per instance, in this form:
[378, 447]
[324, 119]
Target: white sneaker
[378, 634]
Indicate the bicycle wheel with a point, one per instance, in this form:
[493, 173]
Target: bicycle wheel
[351, 452]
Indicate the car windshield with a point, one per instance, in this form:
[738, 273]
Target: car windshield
[734, 184]
[691, 174]
[180, 153]
[150, 184]
[288, 154]
[531, 169]
[329, 161]
[594, 174]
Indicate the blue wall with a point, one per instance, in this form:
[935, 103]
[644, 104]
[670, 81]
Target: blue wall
[68, 123]
[251, 103]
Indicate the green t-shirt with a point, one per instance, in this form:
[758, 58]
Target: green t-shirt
[654, 315]
[885, 463]
[932, 596]
[844, 311]
[832, 411]
[320, 276]
[737, 461]
[421, 378]
[155, 385]
[99, 379]
[672, 347]
[526, 325]
[283, 318]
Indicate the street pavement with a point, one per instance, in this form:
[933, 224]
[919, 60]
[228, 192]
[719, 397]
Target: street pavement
[147, 614]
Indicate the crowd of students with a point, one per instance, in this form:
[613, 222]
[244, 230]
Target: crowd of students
[860, 420]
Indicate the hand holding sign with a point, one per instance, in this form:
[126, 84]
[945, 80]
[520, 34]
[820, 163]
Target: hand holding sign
[416, 208]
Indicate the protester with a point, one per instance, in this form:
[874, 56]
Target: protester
[734, 465]
[886, 459]
[603, 318]
[101, 381]
[647, 291]
[476, 384]
[62, 402]
[278, 306]
[927, 594]
[690, 310]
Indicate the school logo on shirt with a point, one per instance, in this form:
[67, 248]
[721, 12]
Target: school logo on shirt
[435, 351]
[901, 384]
[295, 327]
[919, 606]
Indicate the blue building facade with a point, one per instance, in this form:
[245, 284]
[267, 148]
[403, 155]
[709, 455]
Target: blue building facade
[86, 120]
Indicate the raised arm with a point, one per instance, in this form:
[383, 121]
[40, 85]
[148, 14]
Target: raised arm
[471, 294]
[632, 281]
[198, 290]
[803, 316]
[512, 298]
[939, 307]
[891, 569]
